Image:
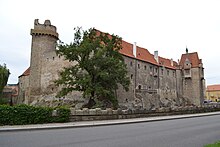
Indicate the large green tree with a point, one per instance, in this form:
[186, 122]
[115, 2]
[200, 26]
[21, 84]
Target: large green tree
[99, 67]
[4, 74]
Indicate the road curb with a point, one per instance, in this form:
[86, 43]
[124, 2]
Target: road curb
[100, 123]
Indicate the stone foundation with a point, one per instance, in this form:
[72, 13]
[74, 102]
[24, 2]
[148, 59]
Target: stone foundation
[109, 114]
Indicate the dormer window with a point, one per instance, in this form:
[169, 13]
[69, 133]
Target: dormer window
[187, 64]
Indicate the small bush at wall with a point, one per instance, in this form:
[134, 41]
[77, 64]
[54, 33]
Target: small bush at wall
[24, 114]
[63, 114]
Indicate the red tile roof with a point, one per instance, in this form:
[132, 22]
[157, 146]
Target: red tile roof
[127, 49]
[213, 88]
[11, 88]
[167, 63]
[192, 57]
[143, 54]
[26, 73]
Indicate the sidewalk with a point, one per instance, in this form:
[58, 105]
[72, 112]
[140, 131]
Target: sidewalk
[99, 123]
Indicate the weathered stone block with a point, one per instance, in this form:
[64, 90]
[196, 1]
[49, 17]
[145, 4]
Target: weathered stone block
[124, 111]
[115, 112]
[85, 111]
[79, 112]
[104, 112]
[98, 111]
[72, 111]
[162, 109]
[167, 109]
[92, 111]
[119, 111]
[109, 111]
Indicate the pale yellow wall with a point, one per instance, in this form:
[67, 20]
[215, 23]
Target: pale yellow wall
[213, 95]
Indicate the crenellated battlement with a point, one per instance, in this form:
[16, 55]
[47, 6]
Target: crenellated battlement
[44, 29]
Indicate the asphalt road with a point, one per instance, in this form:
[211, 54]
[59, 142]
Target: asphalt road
[190, 132]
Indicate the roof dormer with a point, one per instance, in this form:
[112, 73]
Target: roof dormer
[187, 64]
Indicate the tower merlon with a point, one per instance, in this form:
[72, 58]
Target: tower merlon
[44, 29]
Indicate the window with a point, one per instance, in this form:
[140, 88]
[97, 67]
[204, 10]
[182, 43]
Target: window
[139, 86]
[168, 72]
[145, 67]
[151, 70]
[187, 71]
[161, 71]
[53, 58]
[138, 66]
[174, 74]
[131, 76]
[155, 70]
[131, 63]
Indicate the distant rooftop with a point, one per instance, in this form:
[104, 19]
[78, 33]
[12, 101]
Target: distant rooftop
[213, 88]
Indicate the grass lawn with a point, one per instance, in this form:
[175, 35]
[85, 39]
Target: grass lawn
[217, 144]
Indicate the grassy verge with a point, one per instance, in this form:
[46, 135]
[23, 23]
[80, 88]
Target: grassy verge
[217, 144]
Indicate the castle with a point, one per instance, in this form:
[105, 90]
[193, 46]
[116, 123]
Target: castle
[155, 81]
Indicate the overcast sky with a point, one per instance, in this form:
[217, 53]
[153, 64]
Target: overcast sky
[164, 25]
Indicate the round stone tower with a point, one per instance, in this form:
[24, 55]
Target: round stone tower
[44, 39]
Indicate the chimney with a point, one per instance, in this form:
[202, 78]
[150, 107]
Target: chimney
[171, 61]
[135, 49]
[156, 56]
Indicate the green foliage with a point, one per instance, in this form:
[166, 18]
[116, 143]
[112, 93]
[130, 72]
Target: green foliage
[217, 144]
[24, 114]
[3, 101]
[98, 68]
[4, 74]
[63, 114]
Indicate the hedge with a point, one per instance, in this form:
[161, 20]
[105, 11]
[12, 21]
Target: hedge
[25, 114]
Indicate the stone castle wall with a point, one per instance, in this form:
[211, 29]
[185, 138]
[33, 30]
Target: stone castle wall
[152, 86]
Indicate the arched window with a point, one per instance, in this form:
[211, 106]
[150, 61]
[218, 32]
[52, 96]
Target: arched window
[139, 86]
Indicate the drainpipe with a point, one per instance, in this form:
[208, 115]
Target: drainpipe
[135, 67]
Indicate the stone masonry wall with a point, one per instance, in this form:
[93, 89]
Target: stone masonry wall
[44, 39]
[99, 114]
[23, 89]
[150, 87]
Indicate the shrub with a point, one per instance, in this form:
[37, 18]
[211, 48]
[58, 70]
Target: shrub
[63, 114]
[24, 114]
[3, 101]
